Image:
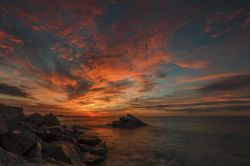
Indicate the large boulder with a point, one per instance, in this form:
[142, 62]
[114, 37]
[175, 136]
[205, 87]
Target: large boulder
[18, 141]
[57, 131]
[43, 133]
[128, 121]
[35, 151]
[54, 133]
[51, 120]
[10, 159]
[36, 119]
[62, 151]
[9, 117]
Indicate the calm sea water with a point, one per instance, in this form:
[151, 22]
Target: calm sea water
[174, 141]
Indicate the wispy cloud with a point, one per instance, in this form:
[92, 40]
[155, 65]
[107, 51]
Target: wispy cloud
[13, 91]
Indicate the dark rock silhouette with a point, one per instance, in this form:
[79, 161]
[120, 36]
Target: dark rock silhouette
[62, 151]
[128, 121]
[9, 117]
[39, 120]
[19, 141]
[36, 140]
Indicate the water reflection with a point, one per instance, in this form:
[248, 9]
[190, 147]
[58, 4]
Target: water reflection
[175, 141]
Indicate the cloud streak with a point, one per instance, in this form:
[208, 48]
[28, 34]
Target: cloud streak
[228, 84]
[13, 91]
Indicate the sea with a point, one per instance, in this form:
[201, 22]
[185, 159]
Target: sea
[174, 141]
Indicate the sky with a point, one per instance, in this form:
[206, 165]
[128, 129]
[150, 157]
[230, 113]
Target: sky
[109, 57]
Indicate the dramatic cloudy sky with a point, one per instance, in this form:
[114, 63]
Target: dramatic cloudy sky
[173, 57]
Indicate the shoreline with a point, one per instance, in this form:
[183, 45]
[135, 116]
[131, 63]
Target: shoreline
[42, 140]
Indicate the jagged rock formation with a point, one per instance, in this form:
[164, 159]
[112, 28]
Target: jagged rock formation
[41, 140]
[128, 121]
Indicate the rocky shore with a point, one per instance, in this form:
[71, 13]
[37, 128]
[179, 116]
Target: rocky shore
[128, 121]
[40, 140]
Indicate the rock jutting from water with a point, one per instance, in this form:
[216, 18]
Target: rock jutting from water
[39, 140]
[128, 121]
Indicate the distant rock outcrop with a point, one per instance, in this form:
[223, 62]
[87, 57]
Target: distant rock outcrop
[39, 140]
[128, 121]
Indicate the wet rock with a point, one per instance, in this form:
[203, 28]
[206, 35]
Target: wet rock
[62, 151]
[128, 121]
[93, 159]
[101, 149]
[90, 140]
[79, 127]
[57, 131]
[18, 141]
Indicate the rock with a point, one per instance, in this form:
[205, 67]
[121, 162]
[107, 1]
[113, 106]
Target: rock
[3, 124]
[74, 134]
[79, 127]
[99, 149]
[62, 151]
[19, 141]
[51, 120]
[9, 117]
[84, 147]
[128, 121]
[37, 140]
[45, 135]
[57, 131]
[35, 151]
[10, 159]
[35, 118]
[39, 120]
[93, 159]
[89, 140]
